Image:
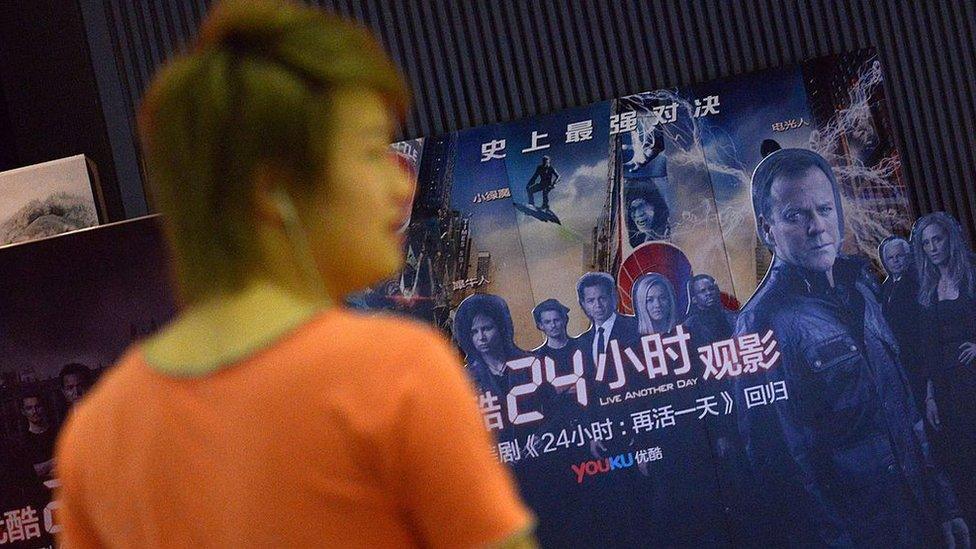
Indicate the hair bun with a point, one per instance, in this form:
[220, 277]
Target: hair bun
[246, 26]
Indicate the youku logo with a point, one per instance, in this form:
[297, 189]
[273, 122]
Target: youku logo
[601, 466]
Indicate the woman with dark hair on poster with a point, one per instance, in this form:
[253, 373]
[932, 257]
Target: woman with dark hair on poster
[648, 216]
[947, 295]
[483, 329]
[653, 299]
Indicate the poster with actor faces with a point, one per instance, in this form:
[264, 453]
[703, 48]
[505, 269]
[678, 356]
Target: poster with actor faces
[674, 309]
[69, 307]
[693, 317]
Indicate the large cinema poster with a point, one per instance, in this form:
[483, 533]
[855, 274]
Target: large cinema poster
[660, 366]
[69, 306]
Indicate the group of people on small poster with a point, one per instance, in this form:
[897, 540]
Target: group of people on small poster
[70, 306]
[27, 465]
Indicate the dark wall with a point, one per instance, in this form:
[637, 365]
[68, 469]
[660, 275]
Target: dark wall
[483, 61]
[8, 145]
[52, 102]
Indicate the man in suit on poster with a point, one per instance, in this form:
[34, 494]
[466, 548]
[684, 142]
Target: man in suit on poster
[899, 303]
[612, 497]
[598, 298]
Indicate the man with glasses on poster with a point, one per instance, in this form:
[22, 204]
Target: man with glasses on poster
[839, 461]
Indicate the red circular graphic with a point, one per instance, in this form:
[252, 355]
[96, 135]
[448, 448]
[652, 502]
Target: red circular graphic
[654, 257]
[730, 302]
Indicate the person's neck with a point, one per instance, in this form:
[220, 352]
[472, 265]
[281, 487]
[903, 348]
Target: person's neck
[290, 269]
[495, 364]
[37, 428]
[809, 274]
[709, 310]
[948, 288]
[227, 328]
[557, 343]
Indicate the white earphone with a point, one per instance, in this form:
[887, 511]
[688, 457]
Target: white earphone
[297, 236]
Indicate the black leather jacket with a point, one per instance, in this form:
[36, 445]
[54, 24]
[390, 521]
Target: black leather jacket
[844, 453]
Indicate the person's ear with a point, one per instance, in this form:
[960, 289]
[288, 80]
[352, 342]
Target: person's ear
[272, 205]
[765, 229]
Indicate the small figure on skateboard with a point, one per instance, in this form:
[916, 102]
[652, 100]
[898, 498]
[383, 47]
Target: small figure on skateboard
[544, 179]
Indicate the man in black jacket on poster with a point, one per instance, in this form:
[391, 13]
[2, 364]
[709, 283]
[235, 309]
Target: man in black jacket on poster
[707, 321]
[835, 449]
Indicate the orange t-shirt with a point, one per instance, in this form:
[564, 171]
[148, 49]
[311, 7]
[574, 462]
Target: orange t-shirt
[352, 431]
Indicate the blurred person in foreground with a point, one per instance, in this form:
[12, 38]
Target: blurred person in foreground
[266, 415]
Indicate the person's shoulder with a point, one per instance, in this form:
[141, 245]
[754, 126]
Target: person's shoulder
[112, 396]
[376, 335]
[364, 361]
[692, 320]
[859, 269]
[766, 307]
[768, 295]
[627, 321]
[353, 324]
[541, 350]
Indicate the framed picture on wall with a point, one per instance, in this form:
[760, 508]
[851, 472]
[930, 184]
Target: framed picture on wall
[48, 199]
